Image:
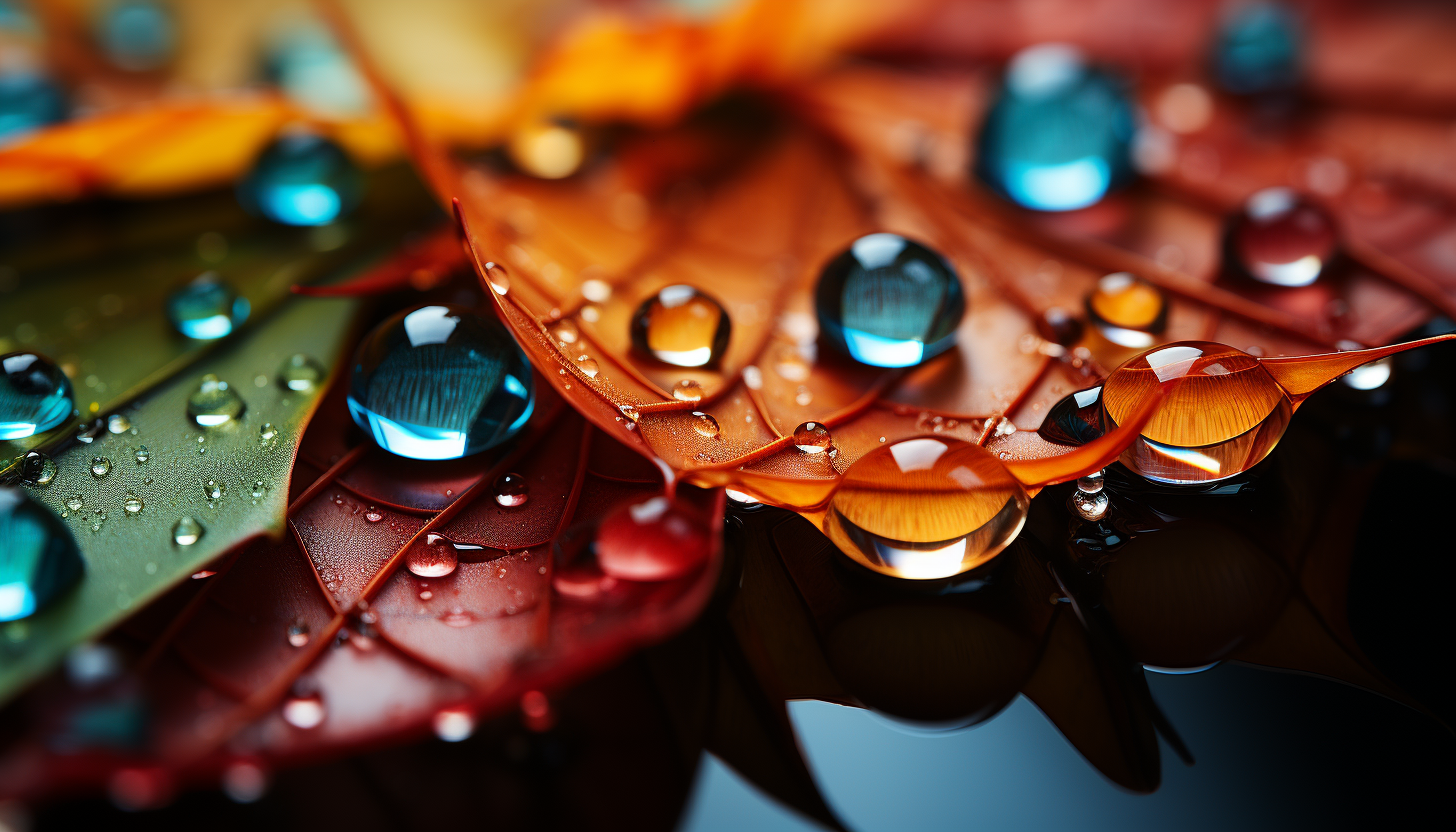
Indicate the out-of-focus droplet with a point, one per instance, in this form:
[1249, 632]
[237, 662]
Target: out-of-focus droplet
[1059, 135]
[888, 301]
[133, 504]
[454, 724]
[1076, 419]
[100, 467]
[687, 390]
[547, 150]
[298, 633]
[498, 278]
[1059, 326]
[302, 179]
[512, 490]
[244, 782]
[28, 101]
[118, 423]
[440, 383]
[186, 531]
[813, 438]
[1127, 310]
[305, 61]
[926, 508]
[215, 403]
[39, 558]
[301, 374]
[35, 395]
[37, 469]
[681, 326]
[1257, 49]
[1370, 376]
[1090, 505]
[1281, 238]
[654, 540]
[207, 308]
[596, 290]
[137, 35]
[304, 710]
[705, 425]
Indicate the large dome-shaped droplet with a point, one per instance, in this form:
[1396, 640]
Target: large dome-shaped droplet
[302, 179]
[1059, 134]
[207, 308]
[39, 559]
[1127, 310]
[440, 382]
[889, 302]
[214, 403]
[654, 540]
[926, 508]
[1257, 49]
[28, 101]
[681, 326]
[35, 395]
[1281, 238]
[1075, 420]
[137, 35]
[1224, 417]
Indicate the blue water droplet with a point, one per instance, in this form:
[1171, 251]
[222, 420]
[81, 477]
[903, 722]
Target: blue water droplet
[302, 179]
[1059, 135]
[207, 308]
[1257, 49]
[28, 101]
[440, 382]
[35, 395]
[137, 35]
[39, 559]
[889, 302]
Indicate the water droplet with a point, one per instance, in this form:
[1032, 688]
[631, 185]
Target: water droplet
[39, 559]
[687, 390]
[454, 724]
[655, 540]
[1090, 505]
[100, 467]
[137, 35]
[1059, 135]
[926, 508]
[1075, 420]
[565, 332]
[803, 397]
[1257, 49]
[888, 301]
[267, 431]
[186, 532]
[133, 504]
[298, 633]
[75, 503]
[1059, 326]
[1090, 484]
[813, 438]
[496, 276]
[304, 710]
[302, 179]
[259, 488]
[511, 490]
[596, 290]
[436, 559]
[143, 455]
[28, 101]
[118, 423]
[207, 308]
[35, 395]
[588, 365]
[244, 782]
[789, 364]
[37, 469]
[213, 490]
[301, 374]
[440, 383]
[1281, 238]
[547, 150]
[1127, 310]
[681, 326]
[705, 425]
[214, 403]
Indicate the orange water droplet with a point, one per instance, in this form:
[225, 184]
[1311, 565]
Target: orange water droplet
[813, 438]
[681, 326]
[496, 276]
[687, 390]
[705, 425]
[1127, 310]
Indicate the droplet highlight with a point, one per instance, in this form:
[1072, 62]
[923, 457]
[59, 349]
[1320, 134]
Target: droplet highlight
[207, 308]
[512, 490]
[186, 531]
[681, 326]
[301, 374]
[302, 179]
[214, 404]
[35, 395]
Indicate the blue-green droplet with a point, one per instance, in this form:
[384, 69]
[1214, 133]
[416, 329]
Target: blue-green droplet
[1059, 135]
[302, 179]
[440, 382]
[306, 63]
[28, 101]
[137, 35]
[889, 301]
[1258, 50]
[207, 308]
[35, 395]
[39, 559]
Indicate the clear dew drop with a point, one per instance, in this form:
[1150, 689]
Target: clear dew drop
[213, 490]
[186, 531]
[214, 403]
[587, 365]
[37, 469]
[705, 425]
[100, 467]
[687, 390]
[304, 710]
[75, 503]
[133, 504]
[267, 431]
[681, 326]
[35, 395]
[143, 455]
[298, 633]
[118, 423]
[259, 488]
[813, 438]
[512, 490]
[1090, 484]
[498, 278]
[1090, 506]
[301, 374]
[207, 308]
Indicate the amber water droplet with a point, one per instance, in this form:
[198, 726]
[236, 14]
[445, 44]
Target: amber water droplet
[186, 532]
[301, 374]
[1127, 310]
[565, 332]
[813, 438]
[213, 490]
[926, 508]
[143, 456]
[214, 403]
[681, 326]
[687, 390]
[373, 515]
[100, 467]
[1281, 238]
[512, 490]
[133, 504]
[298, 634]
[118, 423]
[498, 278]
[587, 365]
[436, 559]
[705, 425]
[304, 710]
[1059, 326]
[37, 469]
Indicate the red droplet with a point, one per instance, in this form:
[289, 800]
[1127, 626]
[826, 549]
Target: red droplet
[582, 582]
[135, 789]
[1283, 238]
[655, 540]
[536, 711]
